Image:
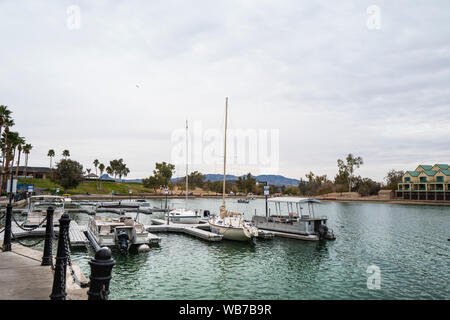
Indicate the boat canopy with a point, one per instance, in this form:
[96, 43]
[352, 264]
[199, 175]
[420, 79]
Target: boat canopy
[293, 200]
[294, 206]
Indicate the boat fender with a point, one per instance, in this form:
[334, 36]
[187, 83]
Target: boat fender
[143, 248]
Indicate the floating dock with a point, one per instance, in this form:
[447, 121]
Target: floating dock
[195, 230]
[292, 235]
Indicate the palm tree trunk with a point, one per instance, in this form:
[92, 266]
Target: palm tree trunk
[1, 176]
[26, 168]
[18, 163]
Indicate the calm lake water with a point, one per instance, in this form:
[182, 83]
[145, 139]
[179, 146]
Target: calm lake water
[407, 242]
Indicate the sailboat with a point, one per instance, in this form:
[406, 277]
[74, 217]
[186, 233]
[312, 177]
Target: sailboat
[230, 224]
[185, 215]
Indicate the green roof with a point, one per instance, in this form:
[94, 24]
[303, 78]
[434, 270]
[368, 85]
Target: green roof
[442, 166]
[430, 172]
[413, 173]
[426, 166]
[446, 172]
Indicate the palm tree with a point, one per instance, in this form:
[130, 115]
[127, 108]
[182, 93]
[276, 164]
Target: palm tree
[4, 115]
[8, 123]
[96, 163]
[51, 154]
[123, 171]
[101, 167]
[109, 170]
[20, 144]
[26, 149]
[66, 154]
[13, 139]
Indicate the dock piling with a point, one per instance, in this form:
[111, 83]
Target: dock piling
[48, 256]
[101, 269]
[7, 235]
[59, 279]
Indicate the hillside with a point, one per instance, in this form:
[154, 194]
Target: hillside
[271, 179]
[90, 187]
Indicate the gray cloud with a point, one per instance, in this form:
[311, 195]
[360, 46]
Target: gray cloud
[311, 69]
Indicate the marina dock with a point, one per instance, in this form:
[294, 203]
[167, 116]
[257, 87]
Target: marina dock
[196, 230]
[200, 230]
[23, 278]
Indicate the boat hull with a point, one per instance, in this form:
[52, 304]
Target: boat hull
[185, 220]
[230, 233]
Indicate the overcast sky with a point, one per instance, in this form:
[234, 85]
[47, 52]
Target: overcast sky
[125, 81]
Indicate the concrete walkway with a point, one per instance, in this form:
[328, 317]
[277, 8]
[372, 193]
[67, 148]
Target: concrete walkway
[23, 278]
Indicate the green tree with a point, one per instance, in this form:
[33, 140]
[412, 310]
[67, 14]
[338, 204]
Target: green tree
[349, 167]
[196, 179]
[366, 186]
[393, 178]
[5, 118]
[26, 150]
[101, 167]
[20, 144]
[109, 170]
[161, 176]
[68, 174]
[246, 184]
[66, 154]
[51, 154]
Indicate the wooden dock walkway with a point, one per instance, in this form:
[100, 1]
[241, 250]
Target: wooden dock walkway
[23, 278]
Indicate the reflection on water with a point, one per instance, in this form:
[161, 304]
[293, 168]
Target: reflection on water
[408, 243]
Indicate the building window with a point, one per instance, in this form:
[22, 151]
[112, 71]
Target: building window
[440, 179]
[407, 179]
[423, 179]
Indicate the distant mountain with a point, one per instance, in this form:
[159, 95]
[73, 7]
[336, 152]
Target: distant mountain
[108, 178]
[271, 179]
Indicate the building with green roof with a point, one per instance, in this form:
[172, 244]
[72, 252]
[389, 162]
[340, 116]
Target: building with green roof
[427, 182]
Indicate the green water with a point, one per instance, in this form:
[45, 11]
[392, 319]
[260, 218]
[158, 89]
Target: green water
[407, 242]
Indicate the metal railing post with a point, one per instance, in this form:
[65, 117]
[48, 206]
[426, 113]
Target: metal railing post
[7, 235]
[48, 256]
[59, 279]
[101, 269]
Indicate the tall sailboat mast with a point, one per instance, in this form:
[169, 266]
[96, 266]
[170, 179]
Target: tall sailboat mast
[225, 152]
[187, 157]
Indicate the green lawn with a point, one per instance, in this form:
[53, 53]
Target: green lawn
[90, 186]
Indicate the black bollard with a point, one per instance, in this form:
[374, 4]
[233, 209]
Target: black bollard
[101, 268]
[7, 235]
[59, 279]
[48, 256]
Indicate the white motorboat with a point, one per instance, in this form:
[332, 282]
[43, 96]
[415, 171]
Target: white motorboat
[36, 210]
[186, 216]
[230, 224]
[297, 220]
[122, 233]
